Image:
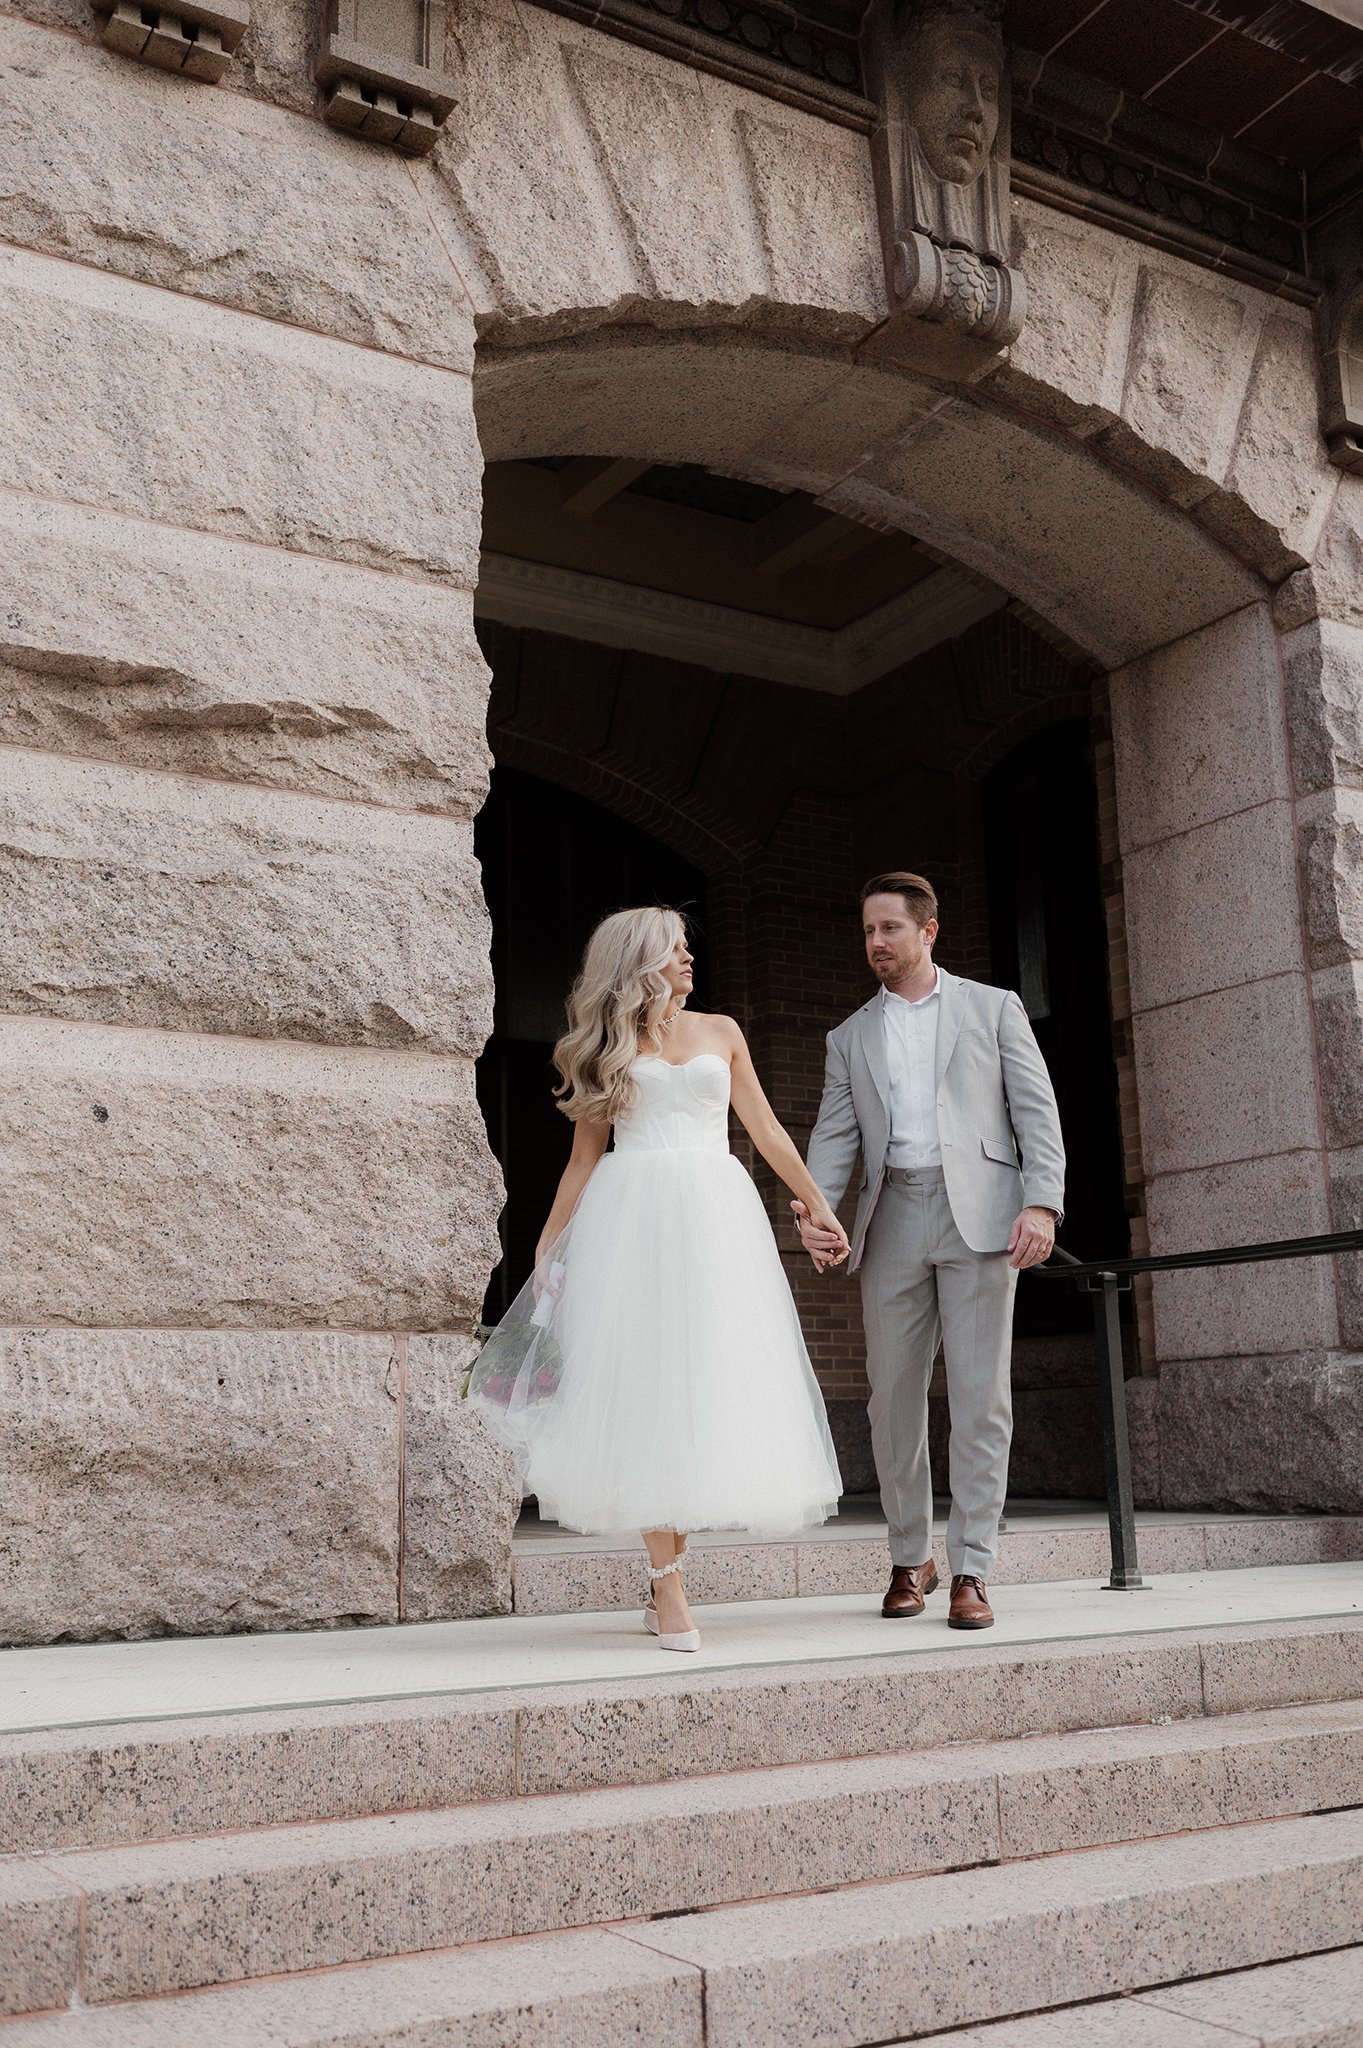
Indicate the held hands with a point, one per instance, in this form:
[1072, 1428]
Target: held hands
[822, 1236]
[1033, 1238]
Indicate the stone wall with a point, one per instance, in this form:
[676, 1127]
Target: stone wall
[243, 976]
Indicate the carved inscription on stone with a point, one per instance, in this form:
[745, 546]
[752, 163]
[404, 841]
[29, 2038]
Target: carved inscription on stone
[941, 154]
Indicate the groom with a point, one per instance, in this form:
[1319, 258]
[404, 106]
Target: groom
[940, 1085]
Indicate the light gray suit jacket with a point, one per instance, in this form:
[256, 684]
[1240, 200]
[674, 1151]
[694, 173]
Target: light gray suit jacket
[994, 1101]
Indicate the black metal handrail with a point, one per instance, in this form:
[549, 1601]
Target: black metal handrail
[1105, 1279]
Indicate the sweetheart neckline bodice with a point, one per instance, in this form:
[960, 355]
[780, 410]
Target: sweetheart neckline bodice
[655, 1059]
[687, 1114]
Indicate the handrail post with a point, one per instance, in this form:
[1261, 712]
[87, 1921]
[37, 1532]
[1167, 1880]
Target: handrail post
[1121, 1512]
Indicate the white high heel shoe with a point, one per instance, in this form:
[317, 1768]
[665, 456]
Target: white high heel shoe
[677, 1639]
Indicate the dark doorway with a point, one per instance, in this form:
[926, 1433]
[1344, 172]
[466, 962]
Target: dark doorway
[1048, 941]
[553, 865]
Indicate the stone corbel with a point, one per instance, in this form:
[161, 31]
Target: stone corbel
[1335, 256]
[382, 71]
[940, 150]
[1342, 384]
[959, 288]
[195, 39]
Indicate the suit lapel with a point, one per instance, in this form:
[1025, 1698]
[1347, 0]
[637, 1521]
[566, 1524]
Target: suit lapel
[873, 1050]
[951, 1010]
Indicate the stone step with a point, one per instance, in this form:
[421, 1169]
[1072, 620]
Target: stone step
[141, 1781]
[117, 1924]
[570, 1575]
[880, 1962]
[1312, 2002]
[592, 1990]
[871, 1963]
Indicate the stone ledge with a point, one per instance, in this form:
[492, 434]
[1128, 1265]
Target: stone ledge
[552, 1578]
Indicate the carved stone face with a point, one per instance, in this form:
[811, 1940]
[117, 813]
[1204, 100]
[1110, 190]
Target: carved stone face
[953, 99]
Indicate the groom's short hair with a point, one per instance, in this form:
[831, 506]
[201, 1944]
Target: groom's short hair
[919, 895]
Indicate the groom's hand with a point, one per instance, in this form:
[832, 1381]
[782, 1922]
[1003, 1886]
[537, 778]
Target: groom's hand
[1033, 1238]
[822, 1245]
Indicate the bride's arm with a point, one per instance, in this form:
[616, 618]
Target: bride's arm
[771, 1138]
[589, 1143]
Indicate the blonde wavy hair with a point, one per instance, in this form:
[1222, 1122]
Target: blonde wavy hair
[618, 998]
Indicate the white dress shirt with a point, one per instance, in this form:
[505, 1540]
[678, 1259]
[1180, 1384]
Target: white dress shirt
[911, 1056]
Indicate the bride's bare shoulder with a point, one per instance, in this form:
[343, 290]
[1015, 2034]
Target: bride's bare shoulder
[707, 1031]
[728, 1033]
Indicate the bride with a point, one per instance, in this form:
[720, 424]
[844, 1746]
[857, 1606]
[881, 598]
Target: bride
[652, 1374]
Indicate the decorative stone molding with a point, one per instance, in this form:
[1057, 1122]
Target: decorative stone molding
[520, 593]
[197, 40]
[383, 71]
[1102, 180]
[941, 151]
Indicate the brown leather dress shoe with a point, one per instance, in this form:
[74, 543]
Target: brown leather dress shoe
[909, 1587]
[969, 1604]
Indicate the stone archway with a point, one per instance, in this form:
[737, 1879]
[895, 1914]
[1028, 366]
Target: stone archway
[1143, 475]
[1224, 1104]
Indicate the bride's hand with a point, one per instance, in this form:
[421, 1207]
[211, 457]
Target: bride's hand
[542, 1279]
[827, 1224]
[821, 1234]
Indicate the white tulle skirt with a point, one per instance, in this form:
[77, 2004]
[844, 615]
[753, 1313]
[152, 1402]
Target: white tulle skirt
[661, 1379]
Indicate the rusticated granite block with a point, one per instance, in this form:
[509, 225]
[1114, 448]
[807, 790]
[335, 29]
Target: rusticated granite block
[1263, 1432]
[195, 1482]
[461, 1492]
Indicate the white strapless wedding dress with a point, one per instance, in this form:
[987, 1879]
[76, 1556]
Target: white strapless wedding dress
[664, 1382]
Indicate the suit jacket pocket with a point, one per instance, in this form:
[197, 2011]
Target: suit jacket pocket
[1001, 1150]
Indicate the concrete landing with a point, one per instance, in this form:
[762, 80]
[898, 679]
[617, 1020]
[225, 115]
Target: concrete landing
[81, 1685]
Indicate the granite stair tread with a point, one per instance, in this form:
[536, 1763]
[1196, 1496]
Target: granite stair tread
[885, 1961]
[128, 1782]
[65, 1684]
[212, 1909]
[589, 1988]
[865, 1964]
[1310, 2002]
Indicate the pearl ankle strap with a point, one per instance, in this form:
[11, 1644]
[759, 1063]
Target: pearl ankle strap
[667, 1569]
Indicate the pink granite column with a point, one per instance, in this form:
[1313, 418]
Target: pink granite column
[1242, 1096]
